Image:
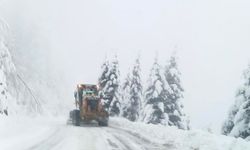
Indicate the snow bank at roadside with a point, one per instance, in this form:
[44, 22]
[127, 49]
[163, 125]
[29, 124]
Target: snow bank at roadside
[179, 139]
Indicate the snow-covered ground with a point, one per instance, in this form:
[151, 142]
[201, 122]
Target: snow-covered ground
[41, 133]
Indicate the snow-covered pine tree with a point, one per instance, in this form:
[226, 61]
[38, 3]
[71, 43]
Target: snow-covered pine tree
[110, 87]
[135, 93]
[114, 88]
[153, 107]
[104, 77]
[125, 96]
[173, 105]
[238, 121]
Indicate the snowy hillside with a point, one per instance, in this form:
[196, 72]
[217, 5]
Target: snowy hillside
[16, 95]
[54, 134]
[25, 74]
[7, 71]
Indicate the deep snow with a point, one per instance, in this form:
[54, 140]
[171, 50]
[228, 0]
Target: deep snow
[45, 133]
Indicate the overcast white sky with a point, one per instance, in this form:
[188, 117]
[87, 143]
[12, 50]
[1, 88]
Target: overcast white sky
[212, 38]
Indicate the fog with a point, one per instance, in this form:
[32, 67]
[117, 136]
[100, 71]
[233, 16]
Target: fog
[73, 37]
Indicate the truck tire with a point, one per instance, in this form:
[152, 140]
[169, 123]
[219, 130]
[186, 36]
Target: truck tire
[76, 117]
[103, 122]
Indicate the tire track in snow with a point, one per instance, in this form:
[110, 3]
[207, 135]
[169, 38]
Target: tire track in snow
[129, 141]
[127, 136]
[114, 142]
[89, 138]
[50, 142]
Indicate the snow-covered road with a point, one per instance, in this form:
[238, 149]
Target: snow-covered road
[92, 137]
[53, 134]
[59, 136]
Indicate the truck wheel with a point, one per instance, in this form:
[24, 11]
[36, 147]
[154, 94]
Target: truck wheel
[76, 117]
[103, 122]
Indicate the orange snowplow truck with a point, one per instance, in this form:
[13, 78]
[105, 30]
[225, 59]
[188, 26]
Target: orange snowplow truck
[88, 106]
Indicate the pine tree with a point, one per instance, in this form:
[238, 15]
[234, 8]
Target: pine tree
[173, 105]
[125, 96]
[104, 77]
[135, 94]
[114, 88]
[153, 110]
[238, 121]
[109, 82]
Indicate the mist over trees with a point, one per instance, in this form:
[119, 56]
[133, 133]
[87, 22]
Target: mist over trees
[158, 102]
[34, 84]
[15, 98]
[33, 64]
